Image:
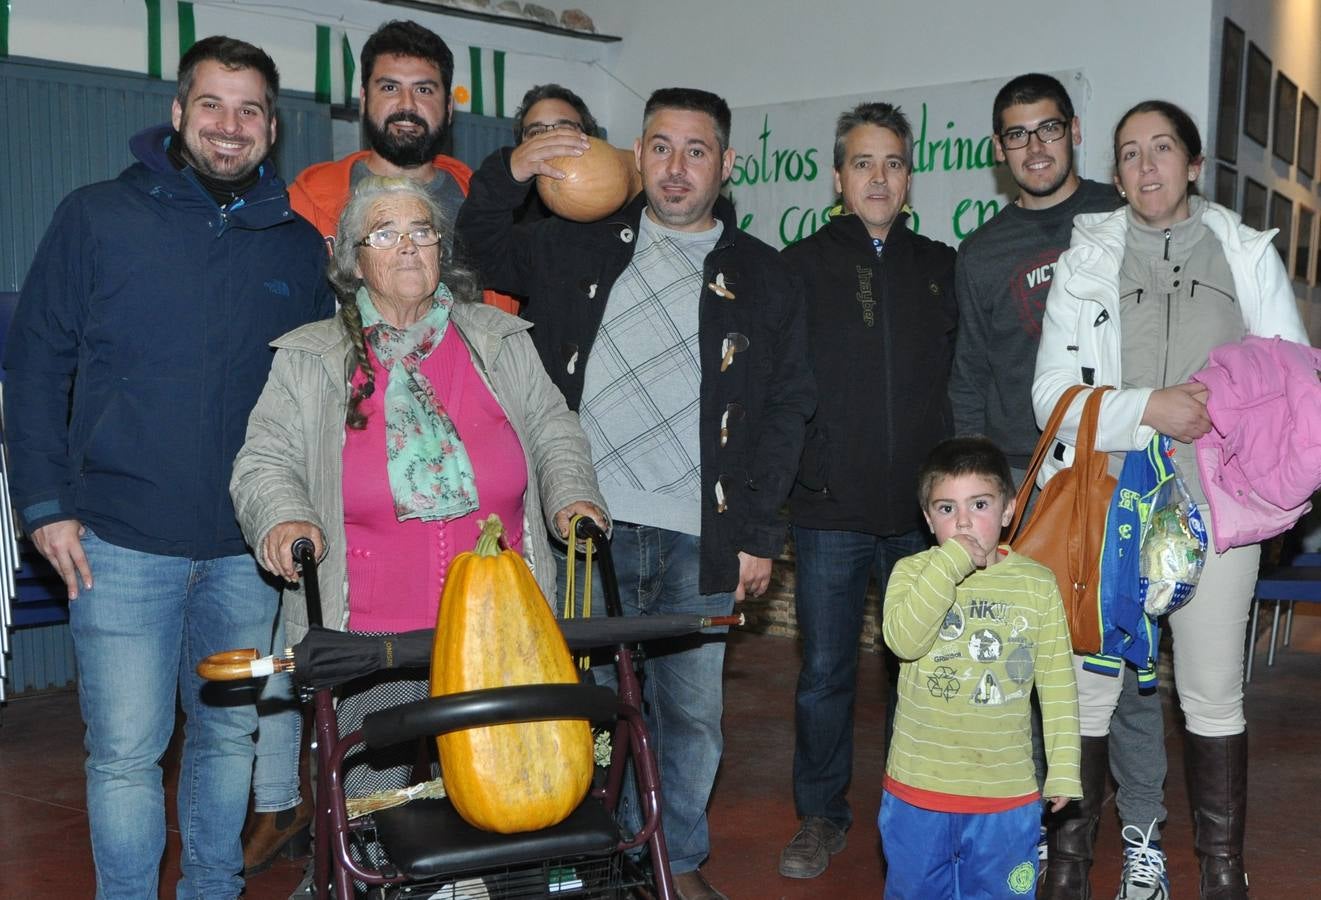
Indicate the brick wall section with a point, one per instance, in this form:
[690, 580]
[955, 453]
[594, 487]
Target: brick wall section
[773, 612]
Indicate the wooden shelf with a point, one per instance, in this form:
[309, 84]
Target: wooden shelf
[496, 19]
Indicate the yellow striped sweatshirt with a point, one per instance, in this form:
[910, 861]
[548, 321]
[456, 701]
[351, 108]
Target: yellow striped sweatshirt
[973, 643]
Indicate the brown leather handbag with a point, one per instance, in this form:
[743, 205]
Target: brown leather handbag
[1067, 525]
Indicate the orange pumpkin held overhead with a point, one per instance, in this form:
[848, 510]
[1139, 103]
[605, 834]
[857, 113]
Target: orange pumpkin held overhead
[594, 185]
[496, 629]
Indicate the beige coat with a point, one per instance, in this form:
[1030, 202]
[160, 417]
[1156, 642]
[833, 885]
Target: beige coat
[291, 465]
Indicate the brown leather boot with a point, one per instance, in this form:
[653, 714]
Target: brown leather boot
[1071, 832]
[1218, 787]
[268, 835]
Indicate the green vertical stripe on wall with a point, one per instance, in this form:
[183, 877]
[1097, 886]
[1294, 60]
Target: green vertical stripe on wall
[4, 27]
[500, 84]
[475, 76]
[154, 38]
[349, 69]
[187, 28]
[323, 64]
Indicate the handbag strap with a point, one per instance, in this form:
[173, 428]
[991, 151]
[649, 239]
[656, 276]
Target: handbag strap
[1039, 456]
[1085, 454]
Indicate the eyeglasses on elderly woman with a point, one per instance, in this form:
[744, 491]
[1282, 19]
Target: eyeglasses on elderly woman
[389, 238]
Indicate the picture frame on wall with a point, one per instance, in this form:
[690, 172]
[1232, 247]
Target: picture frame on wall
[1231, 91]
[1282, 219]
[1302, 258]
[1226, 186]
[1307, 125]
[1253, 209]
[1286, 118]
[1257, 95]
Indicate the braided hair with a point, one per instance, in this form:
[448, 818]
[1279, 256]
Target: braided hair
[342, 272]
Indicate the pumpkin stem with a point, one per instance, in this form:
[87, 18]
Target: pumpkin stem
[488, 542]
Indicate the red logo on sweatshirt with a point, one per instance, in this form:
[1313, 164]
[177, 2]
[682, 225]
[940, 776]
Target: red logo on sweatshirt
[1029, 287]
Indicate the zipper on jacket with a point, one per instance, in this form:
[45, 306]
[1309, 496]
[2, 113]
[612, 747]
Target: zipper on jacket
[1169, 313]
[1207, 284]
[1137, 291]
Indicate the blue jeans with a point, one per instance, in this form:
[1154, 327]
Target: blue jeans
[279, 731]
[683, 691]
[833, 569]
[958, 856]
[138, 636]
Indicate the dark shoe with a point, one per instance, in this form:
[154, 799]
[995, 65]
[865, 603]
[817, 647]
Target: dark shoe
[694, 886]
[809, 852]
[1218, 787]
[269, 835]
[1071, 832]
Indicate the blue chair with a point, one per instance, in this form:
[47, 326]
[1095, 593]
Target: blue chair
[1299, 580]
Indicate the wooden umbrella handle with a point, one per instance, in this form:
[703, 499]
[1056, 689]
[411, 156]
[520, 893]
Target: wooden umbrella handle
[236, 665]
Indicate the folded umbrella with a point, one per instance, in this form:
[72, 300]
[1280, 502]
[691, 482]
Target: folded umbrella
[325, 658]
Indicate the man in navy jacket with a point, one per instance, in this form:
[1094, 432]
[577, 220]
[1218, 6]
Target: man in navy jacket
[138, 348]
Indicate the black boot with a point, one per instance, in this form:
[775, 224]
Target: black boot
[1218, 787]
[1071, 832]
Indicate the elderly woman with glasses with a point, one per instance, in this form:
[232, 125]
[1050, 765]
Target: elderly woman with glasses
[388, 433]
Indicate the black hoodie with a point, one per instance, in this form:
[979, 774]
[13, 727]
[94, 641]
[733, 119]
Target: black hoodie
[881, 339]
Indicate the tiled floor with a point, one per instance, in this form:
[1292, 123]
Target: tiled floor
[44, 849]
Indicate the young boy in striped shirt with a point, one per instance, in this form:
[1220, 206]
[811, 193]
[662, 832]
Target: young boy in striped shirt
[976, 627]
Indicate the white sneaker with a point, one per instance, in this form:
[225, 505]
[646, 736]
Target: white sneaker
[1144, 875]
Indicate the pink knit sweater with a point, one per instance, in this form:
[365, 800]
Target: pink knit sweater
[396, 570]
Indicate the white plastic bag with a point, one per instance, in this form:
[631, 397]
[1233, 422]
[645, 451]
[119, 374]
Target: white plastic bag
[1173, 549]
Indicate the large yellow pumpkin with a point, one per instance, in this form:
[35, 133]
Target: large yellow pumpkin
[495, 629]
[594, 185]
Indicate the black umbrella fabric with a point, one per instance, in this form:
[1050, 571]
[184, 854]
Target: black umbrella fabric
[324, 658]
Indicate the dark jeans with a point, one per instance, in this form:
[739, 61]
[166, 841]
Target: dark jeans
[833, 570]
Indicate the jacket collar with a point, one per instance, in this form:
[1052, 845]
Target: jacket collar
[630, 217]
[330, 181]
[483, 327]
[264, 205]
[850, 229]
[1098, 247]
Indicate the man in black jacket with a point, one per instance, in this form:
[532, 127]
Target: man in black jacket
[681, 342]
[881, 317]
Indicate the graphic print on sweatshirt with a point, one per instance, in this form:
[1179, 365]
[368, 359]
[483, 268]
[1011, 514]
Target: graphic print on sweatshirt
[984, 654]
[1029, 287]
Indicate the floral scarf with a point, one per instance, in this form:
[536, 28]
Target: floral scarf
[431, 476]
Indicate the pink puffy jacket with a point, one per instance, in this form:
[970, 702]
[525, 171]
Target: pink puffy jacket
[1261, 460]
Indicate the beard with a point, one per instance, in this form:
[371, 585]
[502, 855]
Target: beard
[219, 166]
[405, 150]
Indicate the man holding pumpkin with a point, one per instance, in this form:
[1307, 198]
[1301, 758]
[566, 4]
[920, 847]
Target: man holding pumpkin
[681, 342]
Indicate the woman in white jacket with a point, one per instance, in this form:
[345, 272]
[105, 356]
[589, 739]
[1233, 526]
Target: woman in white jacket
[1138, 301]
